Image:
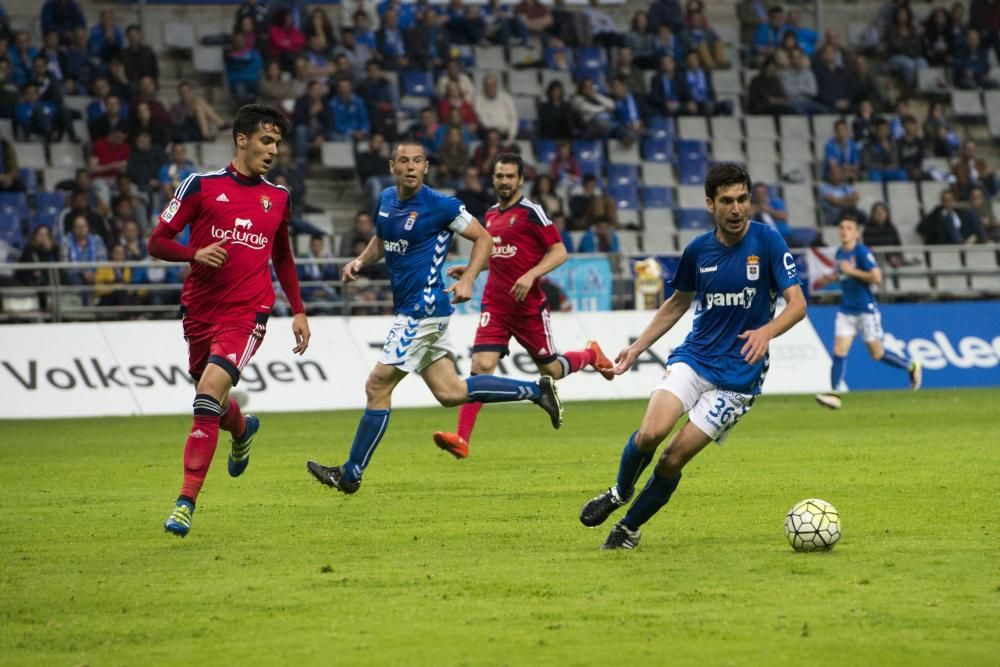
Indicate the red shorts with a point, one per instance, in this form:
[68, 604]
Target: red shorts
[531, 331]
[229, 345]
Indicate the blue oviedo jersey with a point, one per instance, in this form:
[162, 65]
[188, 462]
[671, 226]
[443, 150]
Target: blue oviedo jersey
[736, 289]
[856, 295]
[416, 234]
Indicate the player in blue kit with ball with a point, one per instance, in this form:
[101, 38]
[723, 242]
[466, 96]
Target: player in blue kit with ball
[734, 275]
[858, 273]
[414, 226]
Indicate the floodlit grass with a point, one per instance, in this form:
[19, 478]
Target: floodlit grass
[483, 561]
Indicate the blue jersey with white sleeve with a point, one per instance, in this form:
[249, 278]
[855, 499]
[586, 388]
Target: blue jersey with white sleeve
[736, 289]
[856, 295]
[416, 235]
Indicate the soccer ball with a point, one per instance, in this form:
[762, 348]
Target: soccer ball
[812, 525]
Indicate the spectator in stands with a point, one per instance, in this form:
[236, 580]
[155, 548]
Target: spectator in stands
[841, 150]
[50, 90]
[544, 194]
[640, 40]
[556, 119]
[970, 170]
[62, 17]
[320, 58]
[148, 92]
[9, 93]
[144, 162]
[243, 70]
[559, 221]
[425, 130]
[768, 37]
[246, 27]
[625, 67]
[77, 205]
[666, 43]
[863, 125]
[697, 91]
[837, 196]
[34, 117]
[98, 198]
[950, 224]
[789, 43]
[937, 44]
[985, 14]
[535, 16]
[453, 158]
[601, 28]
[880, 156]
[477, 201]
[627, 123]
[463, 25]
[593, 109]
[564, 170]
[276, 89]
[142, 121]
[81, 245]
[362, 230]
[979, 203]
[427, 42]
[364, 34]
[769, 208]
[700, 37]
[942, 139]
[312, 116]
[320, 25]
[881, 232]
[20, 54]
[52, 50]
[453, 74]
[488, 151]
[292, 173]
[910, 149]
[601, 237]
[120, 85]
[865, 84]
[193, 117]
[132, 241]
[495, 109]
[122, 212]
[284, 38]
[106, 37]
[806, 38]
[125, 188]
[116, 286]
[905, 48]
[766, 94]
[39, 249]
[390, 43]
[373, 168]
[972, 65]
[10, 178]
[76, 66]
[318, 296]
[257, 12]
[668, 13]
[665, 90]
[350, 116]
[174, 172]
[751, 14]
[799, 83]
[342, 71]
[109, 157]
[590, 205]
[502, 25]
[138, 59]
[453, 100]
[833, 82]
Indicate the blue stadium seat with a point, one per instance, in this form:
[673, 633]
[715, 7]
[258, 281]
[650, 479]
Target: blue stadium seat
[545, 150]
[625, 196]
[595, 167]
[661, 127]
[558, 58]
[417, 82]
[30, 179]
[623, 174]
[657, 150]
[50, 203]
[14, 203]
[692, 157]
[591, 57]
[692, 218]
[595, 74]
[588, 149]
[10, 229]
[50, 219]
[657, 196]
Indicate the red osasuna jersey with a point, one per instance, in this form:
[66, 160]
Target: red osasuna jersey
[252, 215]
[521, 235]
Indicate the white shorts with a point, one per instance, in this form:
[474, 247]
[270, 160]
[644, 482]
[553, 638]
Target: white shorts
[412, 345]
[869, 325]
[714, 411]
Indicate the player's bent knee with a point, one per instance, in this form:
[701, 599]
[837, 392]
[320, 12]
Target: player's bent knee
[648, 440]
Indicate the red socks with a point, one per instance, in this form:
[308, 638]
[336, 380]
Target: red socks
[198, 453]
[232, 420]
[467, 419]
[578, 359]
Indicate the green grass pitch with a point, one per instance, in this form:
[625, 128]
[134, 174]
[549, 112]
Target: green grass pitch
[484, 562]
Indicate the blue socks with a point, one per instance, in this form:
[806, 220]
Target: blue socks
[649, 501]
[895, 360]
[366, 439]
[633, 462]
[491, 389]
[837, 372]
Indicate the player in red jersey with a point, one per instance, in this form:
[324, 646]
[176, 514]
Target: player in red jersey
[526, 246]
[239, 224]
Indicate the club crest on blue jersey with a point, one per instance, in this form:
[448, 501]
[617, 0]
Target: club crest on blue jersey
[753, 267]
[410, 221]
[265, 202]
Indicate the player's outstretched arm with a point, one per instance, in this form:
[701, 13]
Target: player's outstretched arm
[554, 256]
[372, 253]
[482, 247]
[757, 340]
[666, 317]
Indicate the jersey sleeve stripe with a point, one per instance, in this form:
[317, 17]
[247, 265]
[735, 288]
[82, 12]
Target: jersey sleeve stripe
[539, 212]
[182, 190]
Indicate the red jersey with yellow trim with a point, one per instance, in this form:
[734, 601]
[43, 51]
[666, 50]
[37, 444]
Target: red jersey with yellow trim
[252, 215]
[522, 234]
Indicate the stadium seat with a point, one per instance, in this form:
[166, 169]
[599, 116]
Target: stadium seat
[658, 173]
[952, 282]
[932, 80]
[657, 196]
[66, 154]
[50, 203]
[903, 200]
[685, 236]
[629, 218]
[822, 125]
[7, 129]
[591, 57]
[416, 82]
[801, 203]
[658, 231]
[726, 82]
[795, 147]
[727, 128]
[30, 179]
[558, 58]
[215, 156]
[625, 196]
[527, 107]
[661, 127]
[761, 150]
[693, 127]
[930, 193]
[620, 175]
[47, 218]
[693, 218]
[628, 241]
[53, 176]
[947, 257]
[30, 154]
[986, 282]
[15, 203]
[830, 236]
[621, 154]
[490, 58]
[692, 162]
[917, 283]
[728, 150]
[690, 196]
[595, 167]
[760, 127]
[868, 194]
[208, 60]
[337, 154]
[991, 98]
[981, 258]
[794, 126]
[565, 78]
[545, 150]
[967, 103]
[10, 229]
[588, 149]
[523, 56]
[523, 82]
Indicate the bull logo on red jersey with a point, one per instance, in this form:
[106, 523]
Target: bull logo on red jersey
[265, 201]
[410, 221]
[513, 219]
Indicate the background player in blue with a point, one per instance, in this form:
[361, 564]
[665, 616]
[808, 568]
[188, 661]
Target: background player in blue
[734, 274]
[413, 231]
[858, 272]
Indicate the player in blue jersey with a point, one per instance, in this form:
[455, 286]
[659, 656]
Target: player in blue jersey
[734, 275]
[858, 272]
[413, 232]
